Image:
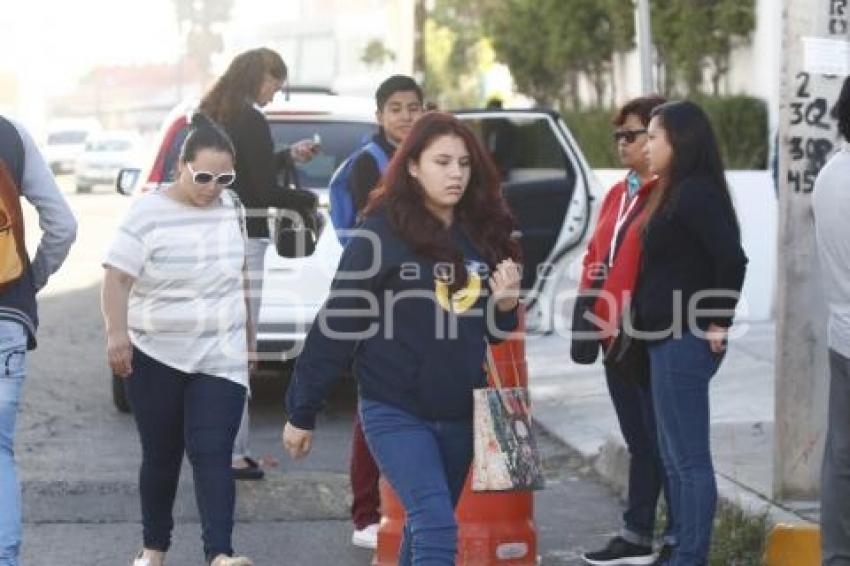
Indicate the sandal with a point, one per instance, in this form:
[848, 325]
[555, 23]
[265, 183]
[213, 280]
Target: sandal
[252, 471]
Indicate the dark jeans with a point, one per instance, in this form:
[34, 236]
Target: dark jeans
[681, 371]
[636, 416]
[364, 474]
[196, 412]
[426, 463]
[835, 480]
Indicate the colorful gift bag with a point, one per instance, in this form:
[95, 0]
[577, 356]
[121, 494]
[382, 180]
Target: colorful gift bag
[506, 456]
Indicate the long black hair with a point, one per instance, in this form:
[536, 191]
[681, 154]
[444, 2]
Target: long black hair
[695, 154]
[205, 134]
[841, 111]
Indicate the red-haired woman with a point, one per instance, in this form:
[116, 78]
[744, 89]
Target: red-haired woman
[410, 308]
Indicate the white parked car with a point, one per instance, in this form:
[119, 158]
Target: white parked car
[548, 185]
[105, 154]
[66, 140]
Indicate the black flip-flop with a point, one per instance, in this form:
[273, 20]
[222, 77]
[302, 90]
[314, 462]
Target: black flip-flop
[252, 471]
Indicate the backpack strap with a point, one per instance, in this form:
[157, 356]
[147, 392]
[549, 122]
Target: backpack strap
[378, 153]
[12, 151]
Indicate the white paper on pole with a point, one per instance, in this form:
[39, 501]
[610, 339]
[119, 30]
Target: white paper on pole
[826, 56]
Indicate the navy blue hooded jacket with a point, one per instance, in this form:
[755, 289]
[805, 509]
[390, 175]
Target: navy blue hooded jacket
[407, 346]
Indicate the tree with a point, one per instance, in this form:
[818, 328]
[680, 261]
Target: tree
[691, 36]
[734, 21]
[550, 44]
[457, 49]
[596, 30]
[521, 32]
[376, 54]
[201, 21]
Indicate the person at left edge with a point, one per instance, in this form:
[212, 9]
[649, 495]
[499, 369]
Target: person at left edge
[33, 180]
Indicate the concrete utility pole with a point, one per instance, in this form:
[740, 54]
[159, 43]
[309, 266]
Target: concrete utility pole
[814, 63]
[644, 35]
[420, 20]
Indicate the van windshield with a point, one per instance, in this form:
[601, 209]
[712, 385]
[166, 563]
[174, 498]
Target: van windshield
[67, 137]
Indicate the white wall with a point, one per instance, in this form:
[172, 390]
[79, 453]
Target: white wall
[757, 207]
[322, 40]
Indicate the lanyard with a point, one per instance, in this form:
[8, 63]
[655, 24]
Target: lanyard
[622, 215]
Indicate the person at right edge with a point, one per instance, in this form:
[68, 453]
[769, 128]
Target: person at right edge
[831, 203]
[688, 289]
[619, 221]
[399, 102]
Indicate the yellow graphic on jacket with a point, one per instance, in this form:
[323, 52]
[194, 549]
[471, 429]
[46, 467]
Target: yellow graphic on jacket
[463, 299]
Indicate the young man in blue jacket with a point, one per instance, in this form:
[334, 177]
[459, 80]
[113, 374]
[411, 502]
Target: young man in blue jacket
[399, 105]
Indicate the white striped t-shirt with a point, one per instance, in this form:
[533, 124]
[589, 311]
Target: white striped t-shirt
[187, 303]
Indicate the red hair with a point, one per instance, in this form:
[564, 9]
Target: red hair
[482, 211]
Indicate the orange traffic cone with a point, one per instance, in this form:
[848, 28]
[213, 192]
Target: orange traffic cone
[495, 528]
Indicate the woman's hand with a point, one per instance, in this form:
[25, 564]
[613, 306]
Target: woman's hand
[304, 150]
[120, 354]
[717, 336]
[504, 284]
[297, 442]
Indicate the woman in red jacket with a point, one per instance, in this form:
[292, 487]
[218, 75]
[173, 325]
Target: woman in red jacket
[614, 255]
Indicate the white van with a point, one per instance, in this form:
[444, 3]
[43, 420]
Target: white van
[66, 140]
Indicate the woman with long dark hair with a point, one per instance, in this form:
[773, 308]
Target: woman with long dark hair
[411, 308]
[235, 102]
[688, 288]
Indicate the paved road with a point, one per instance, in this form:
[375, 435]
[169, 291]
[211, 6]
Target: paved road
[79, 457]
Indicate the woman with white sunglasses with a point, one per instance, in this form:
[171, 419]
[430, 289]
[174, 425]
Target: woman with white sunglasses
[175, 312]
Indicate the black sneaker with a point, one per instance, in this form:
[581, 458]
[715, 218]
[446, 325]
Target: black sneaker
[664, 555]
[622, 552]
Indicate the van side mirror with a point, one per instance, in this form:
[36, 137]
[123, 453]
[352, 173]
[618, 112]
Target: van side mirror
[126, 181]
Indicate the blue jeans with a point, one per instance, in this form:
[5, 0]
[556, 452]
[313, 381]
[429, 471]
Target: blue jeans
[13, 350]
[636, 415]
[197, 413]
[681, 371]
[426, 463]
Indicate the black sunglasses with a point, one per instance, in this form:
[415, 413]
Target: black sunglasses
[628, 135]
[205, 177]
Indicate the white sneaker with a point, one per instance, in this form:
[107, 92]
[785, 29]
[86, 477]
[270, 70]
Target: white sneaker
[222, 560]
[149, 558]
[367, 537]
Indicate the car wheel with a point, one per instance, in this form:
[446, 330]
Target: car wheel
[83, 188]
[119, 395]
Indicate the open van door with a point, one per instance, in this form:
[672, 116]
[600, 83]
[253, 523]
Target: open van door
[550, 189]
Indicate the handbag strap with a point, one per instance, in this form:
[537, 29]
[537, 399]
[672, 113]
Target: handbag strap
[493, 369]
[491, 365]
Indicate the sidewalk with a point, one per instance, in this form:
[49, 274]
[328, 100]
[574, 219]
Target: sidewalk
[572, 402]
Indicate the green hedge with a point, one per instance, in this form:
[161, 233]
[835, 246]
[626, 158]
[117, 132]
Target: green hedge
[740, 123]
[592, 130]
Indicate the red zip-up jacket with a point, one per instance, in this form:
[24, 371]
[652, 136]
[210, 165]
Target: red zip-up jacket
[618, 288]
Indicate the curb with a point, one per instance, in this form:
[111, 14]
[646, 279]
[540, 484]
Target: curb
[793, 545]
[793, 541]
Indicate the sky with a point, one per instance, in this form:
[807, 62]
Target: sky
[55, 41]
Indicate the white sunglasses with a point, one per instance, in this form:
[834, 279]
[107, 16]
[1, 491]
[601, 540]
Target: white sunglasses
[205, 177]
